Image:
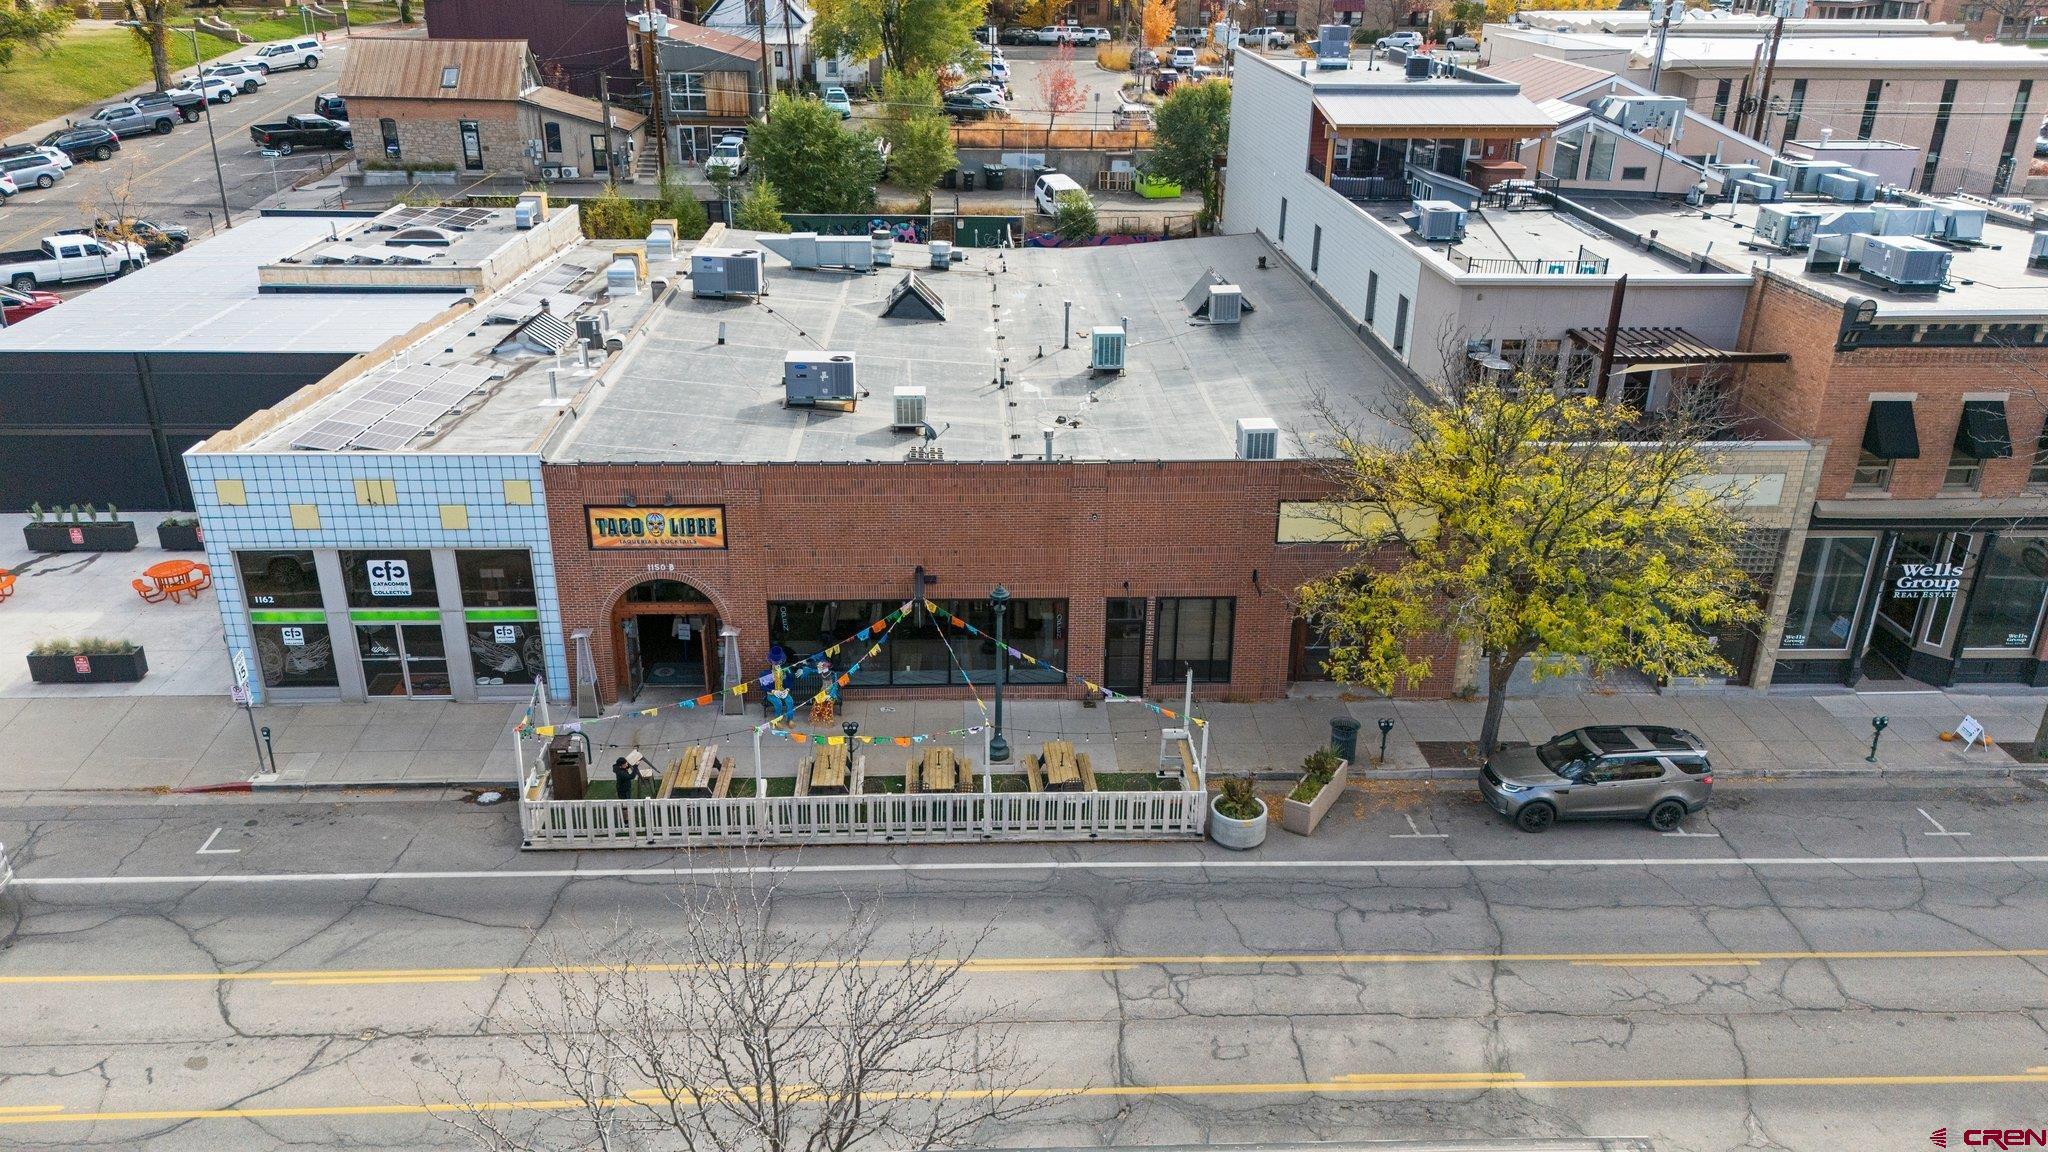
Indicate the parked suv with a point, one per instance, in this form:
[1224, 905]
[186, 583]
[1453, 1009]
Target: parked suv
[246, 77]
[1639, 771]
[1407, 40]
[305, 52]
[33, 169]
[84, 142]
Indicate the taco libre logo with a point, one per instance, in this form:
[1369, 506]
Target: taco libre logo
[1992, 1138]
[683, 527]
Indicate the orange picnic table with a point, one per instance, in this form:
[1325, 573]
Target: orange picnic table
[173, 578]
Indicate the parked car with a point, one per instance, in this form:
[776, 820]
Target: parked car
[84, 142]
[1059, 34]
[1050, 187]
[2041, 146]
[156, 239]
[1164, 80]
[1635, 771]
[187, 104]
[1015, 35]
[1133, 117]
[295, 131]
[1268, 37]
[330, 105]
[985, 89]
[1190, 34]
[18, 306]
[216, 89]
[7, 188]
[304, 52]
[1092, 36]
[837, 100]
[973, 105]
[999, 70]
[246, 77]
[1144, 58]
[1462, 43]
[34, 168]
[126, 119]
[1407, 40]
[55, 156]
[728, 159]
[68, 259]
[1183, 57]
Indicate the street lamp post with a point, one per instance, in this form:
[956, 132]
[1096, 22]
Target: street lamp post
[998, 745]
[206, 103]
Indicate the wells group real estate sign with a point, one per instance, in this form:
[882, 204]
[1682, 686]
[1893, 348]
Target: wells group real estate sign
[685, 527]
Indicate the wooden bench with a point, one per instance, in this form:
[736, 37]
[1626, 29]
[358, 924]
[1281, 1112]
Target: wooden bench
[1087, 771]
[1189, 778]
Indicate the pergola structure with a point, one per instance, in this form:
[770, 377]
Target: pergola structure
[1388, 119]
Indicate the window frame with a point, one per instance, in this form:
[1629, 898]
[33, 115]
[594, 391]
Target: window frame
[1169, 665]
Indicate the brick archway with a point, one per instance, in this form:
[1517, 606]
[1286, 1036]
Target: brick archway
[686, 597]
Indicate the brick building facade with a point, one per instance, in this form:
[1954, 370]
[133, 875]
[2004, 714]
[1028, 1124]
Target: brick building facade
[1087, 535]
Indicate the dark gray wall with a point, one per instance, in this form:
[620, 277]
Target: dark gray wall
[109, 427]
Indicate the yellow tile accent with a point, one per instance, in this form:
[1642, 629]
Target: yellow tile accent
[377, 493]
[231, 492]
[519, 492]
[455, 517]
[306, 517]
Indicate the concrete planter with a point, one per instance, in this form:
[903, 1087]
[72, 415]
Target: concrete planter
[1301, 819]
[1237, 835]
[388, 178]
[93, 668]
[89, 536]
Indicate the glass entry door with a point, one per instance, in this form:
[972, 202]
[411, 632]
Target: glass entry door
[1123, 645]
[403, 659]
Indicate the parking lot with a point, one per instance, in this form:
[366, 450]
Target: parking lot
[171, 178]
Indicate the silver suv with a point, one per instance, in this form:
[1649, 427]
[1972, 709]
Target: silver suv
[1604, 771]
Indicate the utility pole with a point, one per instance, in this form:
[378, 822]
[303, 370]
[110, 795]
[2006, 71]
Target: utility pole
[1660, 14]
[657, 96]
[761, 37]
[604, 106]
[1763, 98]
[788, 45]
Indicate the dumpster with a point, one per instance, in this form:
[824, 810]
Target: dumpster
[1344, 738]
[992, 176]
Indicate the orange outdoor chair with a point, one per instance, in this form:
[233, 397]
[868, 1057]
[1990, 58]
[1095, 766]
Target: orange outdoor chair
[6, 584]
[153, 595]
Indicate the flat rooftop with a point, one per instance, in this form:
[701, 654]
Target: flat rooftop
[680, 394]
[1707, 22]
[208, 299]
[1534, 238]
[1985, 280]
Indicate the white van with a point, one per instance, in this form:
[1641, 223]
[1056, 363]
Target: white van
[1050, 187]
[305, 52]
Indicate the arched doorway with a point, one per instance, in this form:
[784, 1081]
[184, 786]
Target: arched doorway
[665, 634]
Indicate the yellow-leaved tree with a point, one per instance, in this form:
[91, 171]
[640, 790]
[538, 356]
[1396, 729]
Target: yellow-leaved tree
[1155, 22]
[1531, 526]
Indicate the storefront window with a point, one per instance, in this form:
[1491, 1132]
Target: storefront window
[296, 656]
[499, 578]
[506, 653]
[807, 627]
[2005, 609]
[1822, 610]
[925, 653]
[279, 579]
[389, 578]
[1193, 633]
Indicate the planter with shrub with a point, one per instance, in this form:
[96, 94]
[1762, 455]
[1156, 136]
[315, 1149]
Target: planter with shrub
[77, 528]
[1237, 818]
[1323, 777]
[180, 534]
[90, 661]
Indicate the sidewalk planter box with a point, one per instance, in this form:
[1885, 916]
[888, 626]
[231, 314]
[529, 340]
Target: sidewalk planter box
[1301, 819]
[391, 178]
[180, 536]
[89, 668]
[89, 536]
[1237, 835]
[1156, 187]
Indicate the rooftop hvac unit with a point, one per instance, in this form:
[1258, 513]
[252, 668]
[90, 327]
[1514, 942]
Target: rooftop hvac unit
[722, 272]
[1333, 46]
[590, 331]
[1906, 261]
[2037, 256]
[1732, 172]
[1106, 350]
[1778, 185]
[1827, 252]
[811, 378]
[523, 214]
[1957, 222]
[622, 278]
[1903, 220]
[1640, 113]
[661, 243]
[883, 244]
[1839, 186]
[855, 252]
[1436, 220]
[1844, 222]
[1867, 183]
[1755, 191]
[942, 255]
[799, 248]
[1258, 439]
[1226, 304]
[909, 407]
[1417, 67]
[1792, 229]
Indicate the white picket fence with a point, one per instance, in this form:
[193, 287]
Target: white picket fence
[864, 819]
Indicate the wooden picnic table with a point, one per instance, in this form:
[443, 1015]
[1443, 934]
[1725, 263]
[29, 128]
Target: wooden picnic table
[831, 768]
[1062, 768]
[940, 770]
[694, 773]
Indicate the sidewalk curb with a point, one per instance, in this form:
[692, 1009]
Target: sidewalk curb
[361, 785]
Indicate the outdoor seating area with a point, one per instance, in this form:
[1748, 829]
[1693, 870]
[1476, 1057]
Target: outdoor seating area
[939, 770]
[1058, 768]
[173, 580]
[832, 771]
[697, 773]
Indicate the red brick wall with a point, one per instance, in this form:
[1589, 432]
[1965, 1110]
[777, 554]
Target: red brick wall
[1824, 394]
[1068, 531]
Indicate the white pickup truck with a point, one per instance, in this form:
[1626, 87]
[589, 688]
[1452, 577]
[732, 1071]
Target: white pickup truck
[67, 259]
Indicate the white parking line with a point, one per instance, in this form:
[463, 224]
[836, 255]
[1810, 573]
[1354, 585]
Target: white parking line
[1938, 829]
[1106, 866]
[207, 849]
[1414, 833]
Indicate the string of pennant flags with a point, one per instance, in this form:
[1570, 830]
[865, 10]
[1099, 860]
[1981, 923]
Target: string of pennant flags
[900, 741]
[1035, 662]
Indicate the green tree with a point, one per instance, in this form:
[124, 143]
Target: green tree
[909, 35]
[1531, 527]
[1192, 134]
[405, 11]
[760, 209]
[150, 21]
[30, 26]
[1074, 217]
[613, 217]
[813, 160]
[679, 204]
[919, 135]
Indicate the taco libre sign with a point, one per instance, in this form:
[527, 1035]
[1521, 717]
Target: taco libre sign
[700, 526]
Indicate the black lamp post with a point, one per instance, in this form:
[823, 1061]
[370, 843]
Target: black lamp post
[852, 729]
[998, 746]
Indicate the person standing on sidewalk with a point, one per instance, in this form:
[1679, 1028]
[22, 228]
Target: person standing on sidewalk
[622, 779]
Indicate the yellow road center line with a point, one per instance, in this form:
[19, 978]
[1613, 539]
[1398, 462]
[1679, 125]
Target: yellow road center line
[338, 980]
[1364, 1077]
[1006, 965]
[1663, 963]
[1410, 1082]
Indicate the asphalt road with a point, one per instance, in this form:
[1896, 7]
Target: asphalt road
[171, 178]
[1808, 967]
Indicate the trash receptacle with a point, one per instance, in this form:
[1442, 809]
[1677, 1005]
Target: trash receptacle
[1344, 738]
[992, 176]
[950, 180]
[967, 179]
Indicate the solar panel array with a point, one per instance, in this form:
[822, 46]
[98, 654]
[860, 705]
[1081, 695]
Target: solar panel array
[397, 408]
[550, 286]
[456, 219]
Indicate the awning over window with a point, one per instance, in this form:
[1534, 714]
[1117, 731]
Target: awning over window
[1983, 433]
[1651, 349]
[1889, 433]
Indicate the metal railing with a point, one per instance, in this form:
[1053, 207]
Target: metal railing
[1584, 264]
[1368, 188]
[864, 819]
